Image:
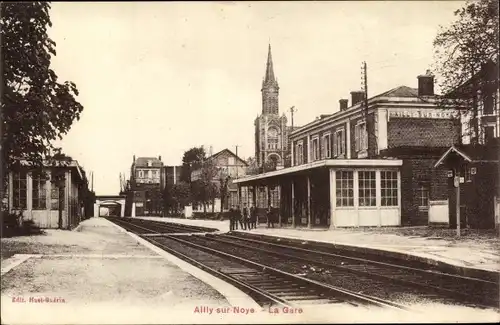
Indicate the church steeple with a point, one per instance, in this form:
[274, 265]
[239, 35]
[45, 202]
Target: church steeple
[269, 77]
[270, 88]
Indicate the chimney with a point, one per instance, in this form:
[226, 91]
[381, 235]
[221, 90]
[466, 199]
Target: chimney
[343, 104]
[159, 158]
[134, 158]
[426, 84]
[357, 96]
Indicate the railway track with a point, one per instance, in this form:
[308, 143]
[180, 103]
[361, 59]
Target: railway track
[477, 292]
[152, 227]
[266, 284]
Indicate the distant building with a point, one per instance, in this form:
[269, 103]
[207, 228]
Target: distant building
[226, 164]
[147, 181]
[40, 194]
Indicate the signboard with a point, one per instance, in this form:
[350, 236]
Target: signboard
[421, 113]
[450, 173]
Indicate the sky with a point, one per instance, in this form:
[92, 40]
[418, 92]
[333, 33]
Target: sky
[158, 78]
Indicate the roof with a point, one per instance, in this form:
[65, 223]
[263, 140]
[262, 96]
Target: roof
[401, 91]
[215, 155]
[143, 161]
[472, 153]
[397, 92]
[323, 163]
[488, 74]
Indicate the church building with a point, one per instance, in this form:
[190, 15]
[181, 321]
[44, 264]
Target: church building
[271, 131]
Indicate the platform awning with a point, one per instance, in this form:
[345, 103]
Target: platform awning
[342, 163]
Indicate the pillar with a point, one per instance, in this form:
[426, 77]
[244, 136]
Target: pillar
[133, 210]
[268, 195]
[280, 205]
[239, 196]
[122, 209]
[293, 204]
[309, 224]
[348, 140]
[333, 203]
[96, 209]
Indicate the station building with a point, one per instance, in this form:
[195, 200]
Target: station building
[53, 196]
[368, 164]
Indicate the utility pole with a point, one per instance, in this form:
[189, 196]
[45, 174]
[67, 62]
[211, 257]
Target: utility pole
[92, 183]
[364, 88]
[238, 157]
[292, 110]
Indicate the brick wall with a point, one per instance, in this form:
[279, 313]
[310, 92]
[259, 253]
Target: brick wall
[415, 172]
[422, 132]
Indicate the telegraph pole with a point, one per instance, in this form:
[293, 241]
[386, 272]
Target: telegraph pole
[364, 86]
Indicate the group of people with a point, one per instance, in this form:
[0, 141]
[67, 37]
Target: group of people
[247, 218]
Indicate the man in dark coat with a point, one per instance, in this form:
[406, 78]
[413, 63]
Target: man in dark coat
[253, 217]
[245, 220]
[270, 216]
[236, 217]
[231, 218]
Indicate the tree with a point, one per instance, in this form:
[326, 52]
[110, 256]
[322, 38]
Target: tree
[192, 159]
[36, 109]
[204, 188]
[177, 196]
[463, 49]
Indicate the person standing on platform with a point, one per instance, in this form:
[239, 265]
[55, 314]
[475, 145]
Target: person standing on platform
[270, 217]
[236, 217]
[245, 220]
[231, 218]
[253, 217]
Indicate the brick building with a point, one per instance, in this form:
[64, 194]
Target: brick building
[370, 163]
[147, 181]
[474, 165]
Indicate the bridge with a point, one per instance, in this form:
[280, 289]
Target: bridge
[107, 201]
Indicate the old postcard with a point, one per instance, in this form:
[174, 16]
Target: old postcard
[250, 162]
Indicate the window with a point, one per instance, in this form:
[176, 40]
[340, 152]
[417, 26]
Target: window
[389, 188]
[339, 143]
[299, 154]
[155, 173]
[345, 188]
[326, 150]
[488, 104]
[54, 197]
[39, 191]
[423, 195]
[315, 149]
[361, 137]
[367, 189]
[150, 163]
[19, 190]
[141, 174]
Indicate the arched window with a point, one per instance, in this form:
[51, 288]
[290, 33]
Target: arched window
[272, 138]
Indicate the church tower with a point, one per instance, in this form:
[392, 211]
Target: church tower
[270, 88]
[271, 137]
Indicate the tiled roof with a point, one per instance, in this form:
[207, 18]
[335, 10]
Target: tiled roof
[401, 91]
[143, 162]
